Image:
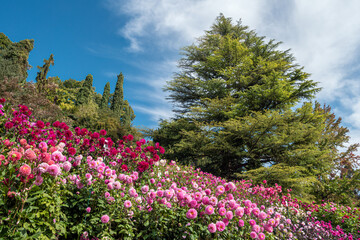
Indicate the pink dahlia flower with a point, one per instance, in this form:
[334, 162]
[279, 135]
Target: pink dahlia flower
[220, 226]
[261, 236]
[30, 155]
[239, 212]
[57, 156]
[25, 170]
[191, 214]
[127, 204]
[53, 170]
[117, 185]
[222, 211]
[253, 235]
[209, 210]
[229, 215]
[67, 166]
[241, 223]
[212, 227]
[38, 180]
[105, 219]
[145, 189]
[220, 189]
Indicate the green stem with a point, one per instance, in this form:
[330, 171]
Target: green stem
[88, 203]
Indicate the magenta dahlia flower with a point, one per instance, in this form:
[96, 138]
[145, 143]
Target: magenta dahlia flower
[220, 226]
[127, 204]
[105, 219]
[191, 214]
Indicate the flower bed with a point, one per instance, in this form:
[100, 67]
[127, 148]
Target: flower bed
[61, 184]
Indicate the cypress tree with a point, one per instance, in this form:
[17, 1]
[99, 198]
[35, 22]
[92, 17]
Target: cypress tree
[128, 115]
[106, 96]
[85, 93]
[118, 98]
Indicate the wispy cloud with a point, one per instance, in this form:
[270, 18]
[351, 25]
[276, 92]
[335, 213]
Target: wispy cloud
[324, 37]
[110, 74]
[156, 113]
[178, 21]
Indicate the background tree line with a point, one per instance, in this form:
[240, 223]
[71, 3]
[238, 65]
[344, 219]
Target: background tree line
[74, 102]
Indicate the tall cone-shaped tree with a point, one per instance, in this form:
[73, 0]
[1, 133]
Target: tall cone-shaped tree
[41, 78]
[120, 106]
[237, 93]
[118, 97]
[128, 115]
[86, 91]
[105, 96]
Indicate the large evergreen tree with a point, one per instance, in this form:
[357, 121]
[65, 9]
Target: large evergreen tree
[237, 94]
[231, 64]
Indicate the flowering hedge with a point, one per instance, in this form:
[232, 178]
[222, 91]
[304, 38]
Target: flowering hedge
[61, 184]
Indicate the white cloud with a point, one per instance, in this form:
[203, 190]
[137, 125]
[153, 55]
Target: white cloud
[354, 117]
[156, 113]
[179, 21]
[323, 35]
[325, 38]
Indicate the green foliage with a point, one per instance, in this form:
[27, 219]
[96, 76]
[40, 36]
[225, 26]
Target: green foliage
[14, 58]
[128, 114]
[232, 62]
[118, 98]
[235, 97]
[65, 94]
[42, 81]
[105, 96]
[339, 215]
[108, 120]
[296, 178]
[170, 133]
[86, 114]
[86, 92]
[77, 102]
[26, 94]
[120, 106]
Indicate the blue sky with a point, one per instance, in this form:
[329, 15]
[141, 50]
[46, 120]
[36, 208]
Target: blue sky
[142, 39]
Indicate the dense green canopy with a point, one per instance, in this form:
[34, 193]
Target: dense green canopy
[14, 58]
[243, 111]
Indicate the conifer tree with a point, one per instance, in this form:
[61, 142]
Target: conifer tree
[235, 98]
[86, 91]
[118, 98]
[105, 96]
[128, 115]
[41, 79]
